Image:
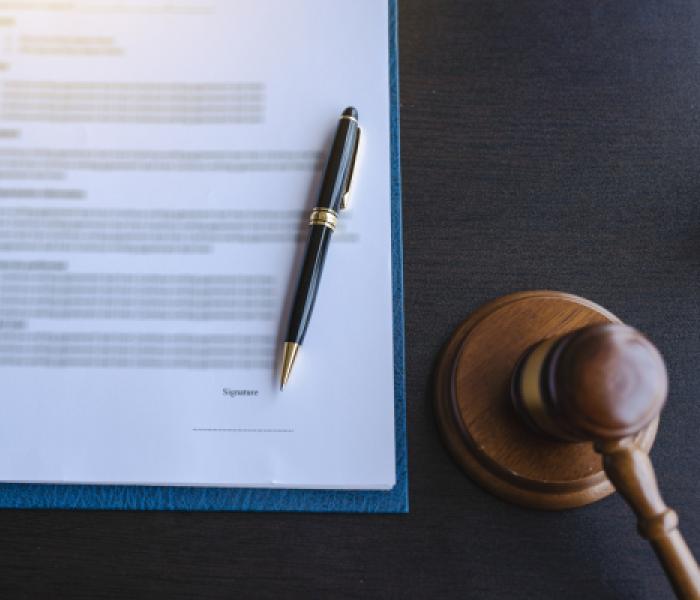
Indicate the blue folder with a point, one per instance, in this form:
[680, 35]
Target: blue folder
[125, 497]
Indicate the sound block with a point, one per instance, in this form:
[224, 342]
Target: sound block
[476, 417]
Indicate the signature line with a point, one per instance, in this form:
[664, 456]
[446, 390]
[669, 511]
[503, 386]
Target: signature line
[239, 430]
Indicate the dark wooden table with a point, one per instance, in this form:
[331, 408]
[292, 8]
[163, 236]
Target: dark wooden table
[545, 145]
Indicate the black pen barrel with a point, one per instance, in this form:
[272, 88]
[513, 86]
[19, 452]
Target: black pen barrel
[309, 279]
[339, 161]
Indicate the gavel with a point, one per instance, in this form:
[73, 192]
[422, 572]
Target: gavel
[549, 401]
[605, 384]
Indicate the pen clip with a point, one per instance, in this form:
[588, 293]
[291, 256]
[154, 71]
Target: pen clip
[345, 199]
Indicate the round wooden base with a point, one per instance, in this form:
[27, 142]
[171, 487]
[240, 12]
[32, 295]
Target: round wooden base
[476, 417]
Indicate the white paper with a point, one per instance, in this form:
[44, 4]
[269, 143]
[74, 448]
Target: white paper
[156, 160]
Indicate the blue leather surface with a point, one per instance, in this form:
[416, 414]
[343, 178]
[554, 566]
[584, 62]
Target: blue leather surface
[238, 499]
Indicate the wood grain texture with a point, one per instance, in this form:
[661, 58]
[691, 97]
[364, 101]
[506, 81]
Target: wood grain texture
[476, 416]
[562, 140]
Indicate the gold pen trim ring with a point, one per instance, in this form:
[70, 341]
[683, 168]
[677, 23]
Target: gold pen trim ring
[324, 216]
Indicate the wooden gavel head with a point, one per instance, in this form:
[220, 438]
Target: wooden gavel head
[549, 401]
[601, 382]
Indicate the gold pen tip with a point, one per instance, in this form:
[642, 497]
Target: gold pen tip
[289, 355]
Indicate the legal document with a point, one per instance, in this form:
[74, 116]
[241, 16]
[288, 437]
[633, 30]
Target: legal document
[158, 163]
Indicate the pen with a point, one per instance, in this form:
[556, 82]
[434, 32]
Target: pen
[324, 217]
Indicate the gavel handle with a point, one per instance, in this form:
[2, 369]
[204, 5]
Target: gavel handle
[629, 469]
